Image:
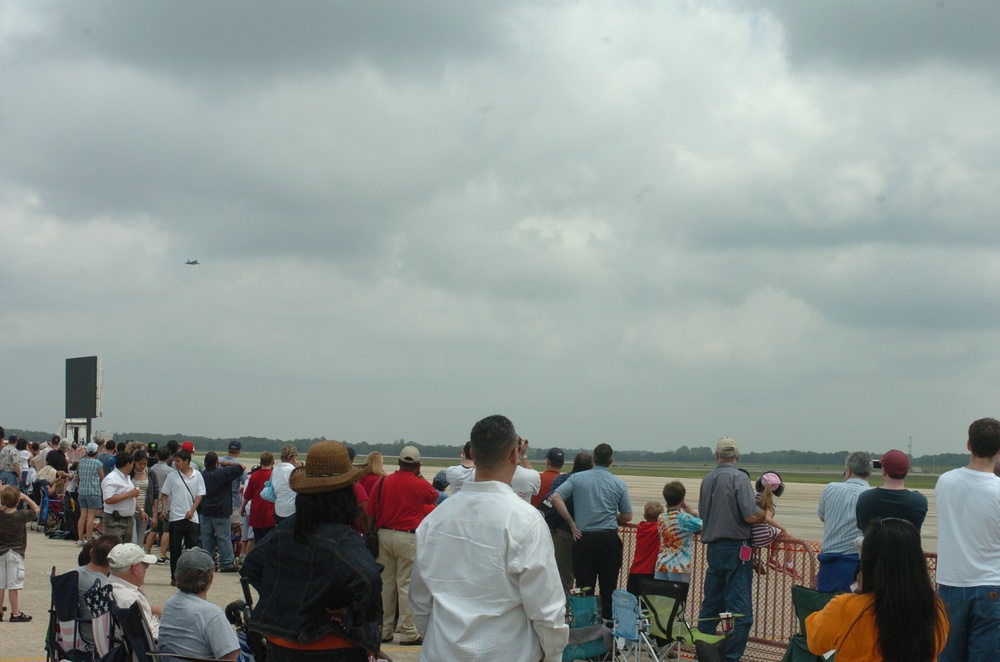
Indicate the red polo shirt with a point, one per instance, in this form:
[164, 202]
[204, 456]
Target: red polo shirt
[400, 503]
[548, 476]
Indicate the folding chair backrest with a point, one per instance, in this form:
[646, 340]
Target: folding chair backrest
[665, 602]
[625, 611]
[134, 631]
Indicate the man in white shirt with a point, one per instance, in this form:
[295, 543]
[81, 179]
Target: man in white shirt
[527, 482]
[968, 566]
[510, 605]
[180, 496]
[129, 564]
[120, 503]
[458, 474]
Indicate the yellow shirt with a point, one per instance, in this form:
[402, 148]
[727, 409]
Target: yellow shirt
[848, 626]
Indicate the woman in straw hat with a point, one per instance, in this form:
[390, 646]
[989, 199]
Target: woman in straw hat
[320, 589]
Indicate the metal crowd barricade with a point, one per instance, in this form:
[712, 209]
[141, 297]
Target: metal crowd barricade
[774, 619]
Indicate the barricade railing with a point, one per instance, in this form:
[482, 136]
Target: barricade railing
[774, 621]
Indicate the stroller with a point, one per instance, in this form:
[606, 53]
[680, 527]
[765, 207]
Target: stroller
[253, 648]
[52, 514]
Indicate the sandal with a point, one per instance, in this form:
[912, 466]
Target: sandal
[19, 617]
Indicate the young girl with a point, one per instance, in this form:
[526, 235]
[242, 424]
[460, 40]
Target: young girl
[13, 543]
[763, 534]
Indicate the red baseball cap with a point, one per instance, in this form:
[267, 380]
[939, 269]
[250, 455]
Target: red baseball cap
[187, 446]
[896, 464]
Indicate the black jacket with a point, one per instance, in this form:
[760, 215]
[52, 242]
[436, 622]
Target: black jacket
[298, 583]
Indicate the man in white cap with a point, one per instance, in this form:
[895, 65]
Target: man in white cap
[892, 499]
[129, 564]
[397, 507]
[728, 507]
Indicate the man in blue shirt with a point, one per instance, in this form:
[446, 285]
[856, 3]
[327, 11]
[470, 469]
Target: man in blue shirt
[215, 509]
[600, 506]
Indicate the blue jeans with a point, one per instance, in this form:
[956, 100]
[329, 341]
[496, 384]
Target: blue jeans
[974, 615]
[215, 535]
[728, 587]
[836, 572]
[9, 478]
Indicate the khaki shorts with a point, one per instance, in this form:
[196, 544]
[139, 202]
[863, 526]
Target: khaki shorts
[11, 571]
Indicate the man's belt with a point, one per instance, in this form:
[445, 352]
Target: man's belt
[400, 530]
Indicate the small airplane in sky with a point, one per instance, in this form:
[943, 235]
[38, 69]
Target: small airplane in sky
[192, 262]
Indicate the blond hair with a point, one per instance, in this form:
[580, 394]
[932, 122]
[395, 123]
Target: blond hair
[373, 465]
[652, 510]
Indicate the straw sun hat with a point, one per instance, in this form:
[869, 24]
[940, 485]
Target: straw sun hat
[328, 467]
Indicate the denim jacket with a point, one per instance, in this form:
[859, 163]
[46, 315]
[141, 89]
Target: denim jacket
[298, 583]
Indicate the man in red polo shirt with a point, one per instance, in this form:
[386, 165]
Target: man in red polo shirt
[554, 461]
[396, 505]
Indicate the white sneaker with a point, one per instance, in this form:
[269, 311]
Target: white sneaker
[81, 543]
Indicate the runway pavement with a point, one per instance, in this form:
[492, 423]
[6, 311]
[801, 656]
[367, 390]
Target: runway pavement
[796, 510]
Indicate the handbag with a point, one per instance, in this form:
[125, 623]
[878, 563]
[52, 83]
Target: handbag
[267, 494]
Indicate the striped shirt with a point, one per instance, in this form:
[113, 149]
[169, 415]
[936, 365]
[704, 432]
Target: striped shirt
[838, 512]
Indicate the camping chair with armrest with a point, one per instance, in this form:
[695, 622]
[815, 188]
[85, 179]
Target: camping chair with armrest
[805, 600]
[665, 602]
[64, 637]
[134, 631]
[628, 628]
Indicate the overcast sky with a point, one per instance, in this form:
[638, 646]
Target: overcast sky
[645, 223]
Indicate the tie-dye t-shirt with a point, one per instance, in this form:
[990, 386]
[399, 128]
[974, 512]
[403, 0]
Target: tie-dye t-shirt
[677, 530]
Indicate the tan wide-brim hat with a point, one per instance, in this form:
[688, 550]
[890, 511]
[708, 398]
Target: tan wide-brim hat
[328, 467]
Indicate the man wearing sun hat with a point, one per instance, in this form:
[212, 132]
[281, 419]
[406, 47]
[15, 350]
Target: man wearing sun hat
[892, 499]
[396, 505]
[129, 564]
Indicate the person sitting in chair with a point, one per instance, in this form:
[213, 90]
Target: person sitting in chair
[128, 564]
[191, 626]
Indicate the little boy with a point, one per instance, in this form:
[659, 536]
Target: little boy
[13, 543]
[647, 547]
[676, 527]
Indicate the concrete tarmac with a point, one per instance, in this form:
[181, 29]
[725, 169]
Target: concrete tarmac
[796, 510]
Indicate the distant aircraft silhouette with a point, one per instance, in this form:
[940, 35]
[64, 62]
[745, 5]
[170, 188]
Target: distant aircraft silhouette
[192, 262]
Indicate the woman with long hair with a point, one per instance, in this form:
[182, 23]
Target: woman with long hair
[320, 589]
[371, 471]
[895, 616]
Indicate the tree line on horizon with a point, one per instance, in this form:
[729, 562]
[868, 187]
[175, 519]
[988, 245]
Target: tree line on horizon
[683, 454]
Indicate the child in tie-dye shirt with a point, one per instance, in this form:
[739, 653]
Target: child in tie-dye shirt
[677, 527]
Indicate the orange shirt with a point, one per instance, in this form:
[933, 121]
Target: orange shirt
[848, 626]
[547, 477]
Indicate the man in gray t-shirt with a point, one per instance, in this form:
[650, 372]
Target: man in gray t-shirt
[192, 626]
[728, 506]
